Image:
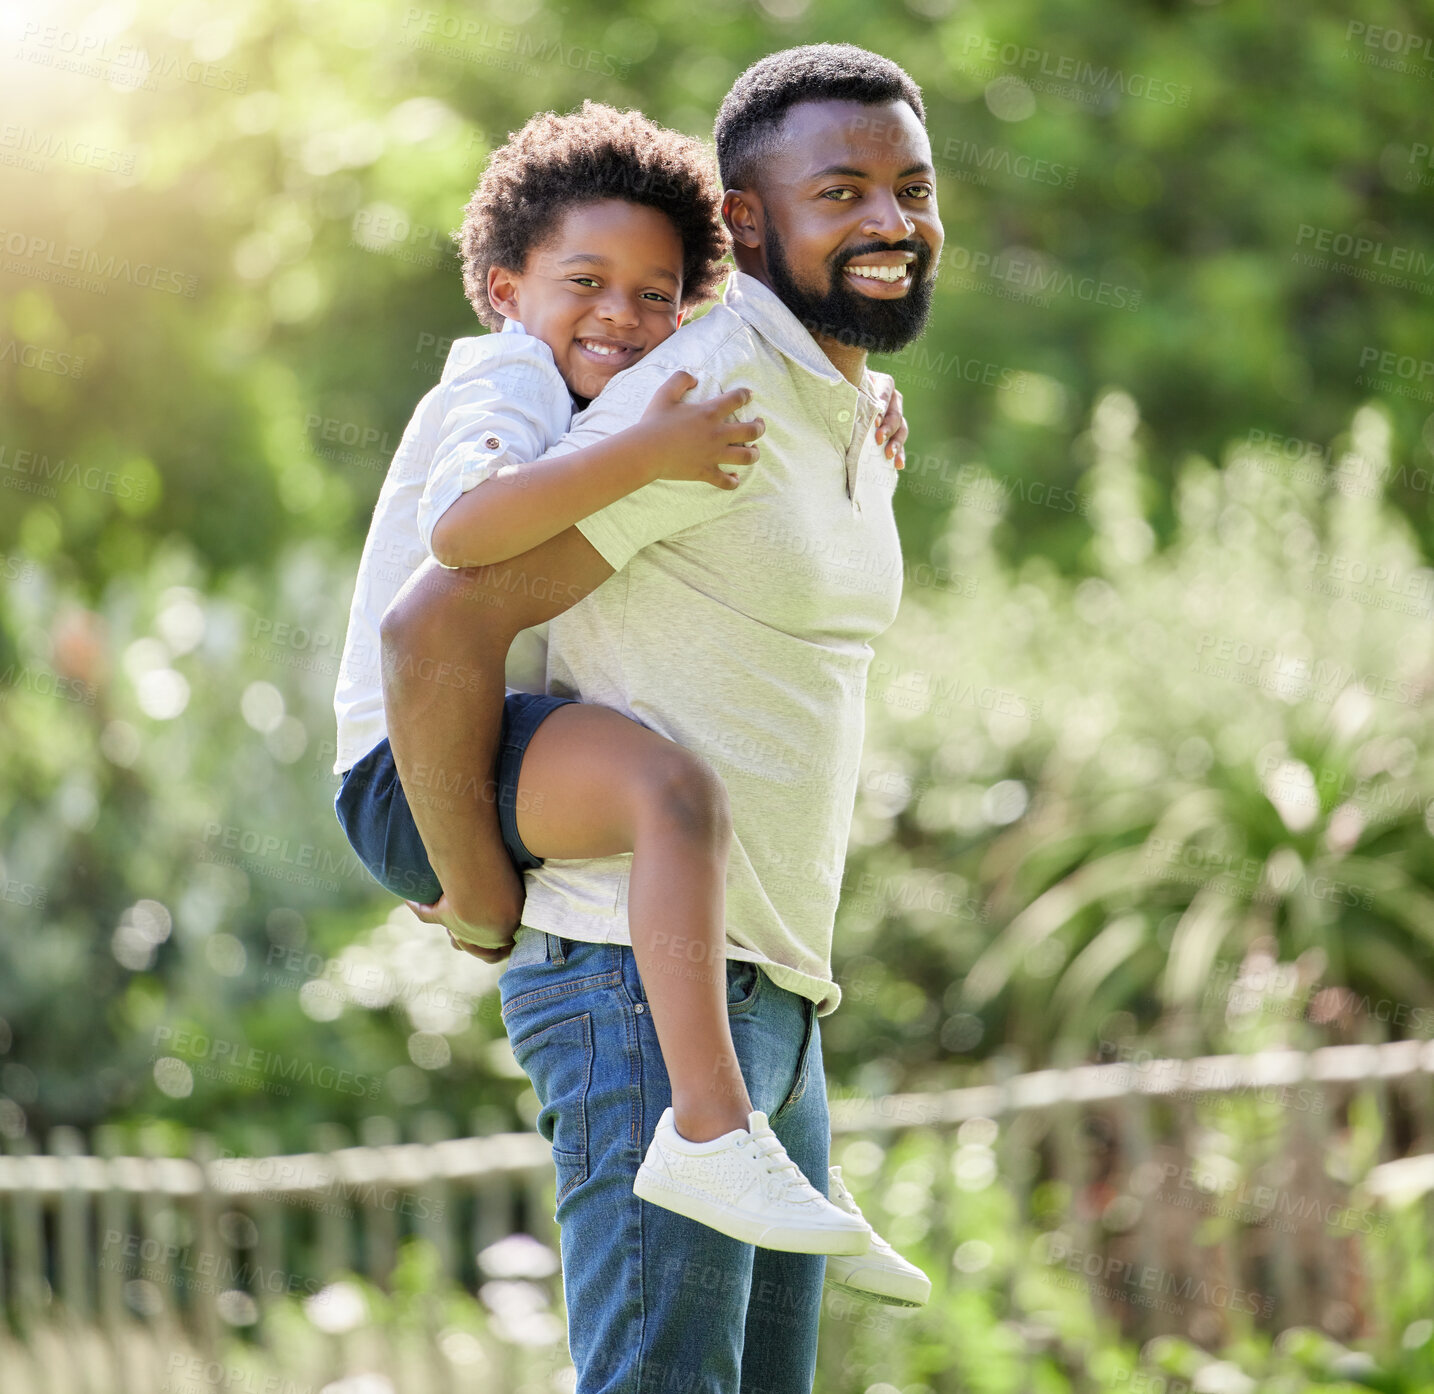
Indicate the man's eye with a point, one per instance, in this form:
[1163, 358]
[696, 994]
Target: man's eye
[918, 191]
[839, 195]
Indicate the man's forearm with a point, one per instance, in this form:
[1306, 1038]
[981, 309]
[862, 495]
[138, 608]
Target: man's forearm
[445, 644]
[523, 506]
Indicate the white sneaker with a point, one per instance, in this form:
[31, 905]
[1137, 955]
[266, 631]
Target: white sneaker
[880, 1274]
[744, 1184]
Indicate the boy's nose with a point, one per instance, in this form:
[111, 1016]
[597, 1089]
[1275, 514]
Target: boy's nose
[619, 310]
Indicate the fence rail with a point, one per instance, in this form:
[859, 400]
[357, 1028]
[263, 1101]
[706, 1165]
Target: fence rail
[116, 1270]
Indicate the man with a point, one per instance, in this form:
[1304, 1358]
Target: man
[736, 623]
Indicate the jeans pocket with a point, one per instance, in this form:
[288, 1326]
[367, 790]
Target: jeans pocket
[558, 1061]
[744, 981]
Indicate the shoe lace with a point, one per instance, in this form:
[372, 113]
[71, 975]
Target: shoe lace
[785, 1175]
[840, 1196]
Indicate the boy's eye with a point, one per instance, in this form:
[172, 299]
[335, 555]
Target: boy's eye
[584, 280]
[658, 296]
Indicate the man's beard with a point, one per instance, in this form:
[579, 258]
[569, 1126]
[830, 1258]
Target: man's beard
[848, 316]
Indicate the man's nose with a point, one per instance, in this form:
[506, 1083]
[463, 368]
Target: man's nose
[887, 219]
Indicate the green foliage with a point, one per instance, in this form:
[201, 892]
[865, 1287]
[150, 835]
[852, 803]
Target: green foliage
[1148, 437]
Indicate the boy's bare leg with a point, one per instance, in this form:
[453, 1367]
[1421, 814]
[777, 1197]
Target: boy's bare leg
[445, 643]
[594, 784]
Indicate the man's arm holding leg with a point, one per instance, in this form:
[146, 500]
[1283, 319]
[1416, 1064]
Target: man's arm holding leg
[445, 645]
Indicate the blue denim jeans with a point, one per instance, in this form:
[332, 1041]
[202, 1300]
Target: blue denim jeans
[657, 1302]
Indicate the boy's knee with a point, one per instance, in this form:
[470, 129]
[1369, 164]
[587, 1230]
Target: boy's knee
[435, 613]
[683, 790]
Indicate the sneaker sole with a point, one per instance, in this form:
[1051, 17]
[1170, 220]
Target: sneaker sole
[749, 1229]
[903, 1292]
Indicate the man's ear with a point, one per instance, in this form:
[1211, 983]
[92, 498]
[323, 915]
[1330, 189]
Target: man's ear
[742, 212]
[503, 292]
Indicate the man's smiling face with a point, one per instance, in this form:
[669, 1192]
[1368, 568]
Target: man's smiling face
[850, 231]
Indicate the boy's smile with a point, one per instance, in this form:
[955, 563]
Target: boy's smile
[602, 291]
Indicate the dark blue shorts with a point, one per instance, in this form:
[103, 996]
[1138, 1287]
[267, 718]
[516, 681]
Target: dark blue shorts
[374, 814]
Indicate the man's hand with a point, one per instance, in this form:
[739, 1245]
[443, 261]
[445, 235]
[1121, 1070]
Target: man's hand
[484, 944]
[892, 427]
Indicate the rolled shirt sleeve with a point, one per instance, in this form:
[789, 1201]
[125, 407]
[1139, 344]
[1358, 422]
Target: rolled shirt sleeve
[506, 409]
[664, 507]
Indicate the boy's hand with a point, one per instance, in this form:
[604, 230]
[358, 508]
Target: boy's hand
[693, 440]
[892, 427]
[491, 947]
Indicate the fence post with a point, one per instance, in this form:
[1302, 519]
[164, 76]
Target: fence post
[211, 1242]
[114, 1220]
[380, 1224]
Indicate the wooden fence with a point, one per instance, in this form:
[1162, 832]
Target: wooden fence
[137, 1275]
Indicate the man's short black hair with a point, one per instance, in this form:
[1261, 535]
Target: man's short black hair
[557, 162]
[759, 100]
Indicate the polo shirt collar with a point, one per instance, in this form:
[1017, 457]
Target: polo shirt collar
[757, 304]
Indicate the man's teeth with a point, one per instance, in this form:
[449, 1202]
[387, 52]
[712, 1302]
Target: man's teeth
[607, 350]
[879, 273]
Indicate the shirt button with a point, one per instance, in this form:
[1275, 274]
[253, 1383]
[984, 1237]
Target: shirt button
[843, 416]
[492, 442]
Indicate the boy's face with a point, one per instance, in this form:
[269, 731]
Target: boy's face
[601, 292]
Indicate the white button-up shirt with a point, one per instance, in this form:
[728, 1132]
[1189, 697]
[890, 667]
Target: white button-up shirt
[500, 401]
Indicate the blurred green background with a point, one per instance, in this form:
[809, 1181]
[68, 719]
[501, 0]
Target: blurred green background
[1156, 706]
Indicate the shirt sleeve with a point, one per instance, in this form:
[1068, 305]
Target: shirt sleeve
[666, 506]
[506, 409]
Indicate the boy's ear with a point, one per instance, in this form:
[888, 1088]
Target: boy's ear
[503, 292]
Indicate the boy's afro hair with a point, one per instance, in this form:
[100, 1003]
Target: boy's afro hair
[557, 162]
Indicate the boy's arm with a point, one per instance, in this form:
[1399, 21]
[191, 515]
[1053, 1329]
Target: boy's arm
[445, 641]
[524, 505]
